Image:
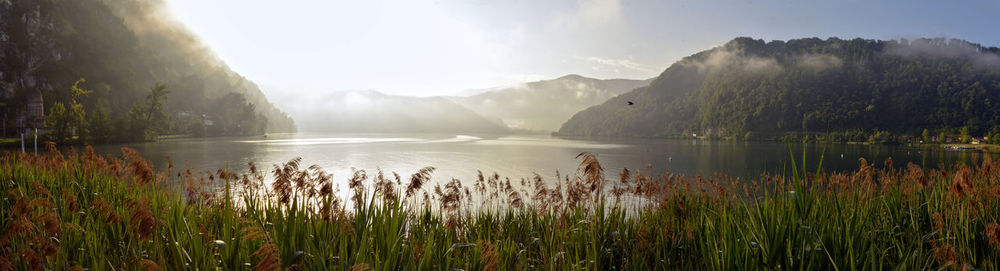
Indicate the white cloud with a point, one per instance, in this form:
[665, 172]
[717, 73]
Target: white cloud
[618, 64]
[820, 62]
[722, 57]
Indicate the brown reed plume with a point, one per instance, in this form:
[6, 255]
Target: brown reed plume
[56, 157]
[269, 258]
[451, 200]
[541, 194]
[961, 182]
[142, 221]
[283, 175]
[992, 232]
[149, 265]
[591, 172]
[21, 212]
[360, 267]
[357, 184]
[104, 209]
[142, 172]
[418, 179]
[490, 256]
[384, 188]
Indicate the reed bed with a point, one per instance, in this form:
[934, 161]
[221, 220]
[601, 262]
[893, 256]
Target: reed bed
[84, 211]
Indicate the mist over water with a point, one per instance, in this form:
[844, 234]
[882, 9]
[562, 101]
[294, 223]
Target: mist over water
[520, 156]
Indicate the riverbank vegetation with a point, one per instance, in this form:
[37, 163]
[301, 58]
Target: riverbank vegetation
[145, 75]
[79, 210]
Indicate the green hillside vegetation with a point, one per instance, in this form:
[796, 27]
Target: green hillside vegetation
[125, 50]
[842, 90]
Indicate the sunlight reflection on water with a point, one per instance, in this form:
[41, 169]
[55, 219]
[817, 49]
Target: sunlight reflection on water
[517, 156]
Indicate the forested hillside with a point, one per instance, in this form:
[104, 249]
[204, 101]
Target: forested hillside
[145, 75]
[750, 88]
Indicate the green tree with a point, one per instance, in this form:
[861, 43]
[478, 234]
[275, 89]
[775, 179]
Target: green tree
[994, 135]
[964, 135]
[941, 137]
[148, 119]
[880, 137]
[57, 122]
[68, 119]
[77, 113]
[99, 125]
[925, 136]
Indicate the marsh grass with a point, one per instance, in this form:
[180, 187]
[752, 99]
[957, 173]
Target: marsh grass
[74, 211]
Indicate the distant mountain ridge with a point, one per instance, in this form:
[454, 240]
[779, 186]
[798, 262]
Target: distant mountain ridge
[539, 106]
[545, 105]
[375, 112]
[749, 87]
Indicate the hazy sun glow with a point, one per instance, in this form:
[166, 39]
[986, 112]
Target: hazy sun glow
[437, 47]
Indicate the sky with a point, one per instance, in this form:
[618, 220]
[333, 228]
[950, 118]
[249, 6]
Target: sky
[442, 47]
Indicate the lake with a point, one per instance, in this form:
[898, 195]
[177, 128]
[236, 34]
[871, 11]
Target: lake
[519, 156]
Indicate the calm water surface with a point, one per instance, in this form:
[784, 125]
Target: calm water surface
[519, 156]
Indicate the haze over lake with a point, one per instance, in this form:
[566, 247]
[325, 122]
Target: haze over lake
[519, 156]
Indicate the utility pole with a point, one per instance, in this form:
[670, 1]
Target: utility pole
[36, 141]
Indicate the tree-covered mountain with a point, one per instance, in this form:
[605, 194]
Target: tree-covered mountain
[545, 105]
[749, 87]
[124, 48]
[374, 112]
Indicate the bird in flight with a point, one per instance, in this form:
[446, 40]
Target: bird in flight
[630, 103]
